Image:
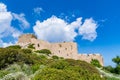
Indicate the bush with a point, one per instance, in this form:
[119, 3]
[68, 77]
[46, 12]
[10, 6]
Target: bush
[16, 76]
[14, 47]
[109, 69]
[35, 67]
[3, 73]
[44, 51]
[83, 65]
[43, 68]
[55, 57]
[58, 74]
[42, 57]
[95, 62]
[26, 51]
[13, 68]
[117, 61]
[60, 64]
[117, 69]
[10, 56]
[55, 74]
[31, 46]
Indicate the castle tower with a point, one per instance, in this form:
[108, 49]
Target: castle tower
[25, 39]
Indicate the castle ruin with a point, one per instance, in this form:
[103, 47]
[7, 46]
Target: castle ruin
[64, 49]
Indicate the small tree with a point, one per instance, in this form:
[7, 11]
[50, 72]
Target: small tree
[116, 60]
[117, 69]
[95, 62]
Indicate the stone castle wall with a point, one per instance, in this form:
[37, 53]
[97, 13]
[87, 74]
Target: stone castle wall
[64, 49]
[89, 57]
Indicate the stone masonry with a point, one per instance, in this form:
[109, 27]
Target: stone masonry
[64, 49]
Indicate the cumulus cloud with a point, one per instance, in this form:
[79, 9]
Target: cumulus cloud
[5, 22]
[2, 7]
[88, 29]
[6, 29]
[58, 30]
[55, 30]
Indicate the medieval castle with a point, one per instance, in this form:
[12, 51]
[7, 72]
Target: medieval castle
[64, 49]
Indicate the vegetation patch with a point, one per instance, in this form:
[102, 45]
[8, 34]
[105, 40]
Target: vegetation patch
[44, 51]
[24, 64]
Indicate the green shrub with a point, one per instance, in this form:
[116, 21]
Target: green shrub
[117, 61]
[14, 47]
[60, 64]
[31, 46]
[3, 73]
[26, 51]
[95, 62]
[55, 74]
[42, 57]
[35, 67]
[58, 74]
[108, 68]
[16, 76]
[13, 68]
[117, 69]
[44, 51]
[61, 57]
[83, 65]
[43, 68]
[10, 56]
[55, 57]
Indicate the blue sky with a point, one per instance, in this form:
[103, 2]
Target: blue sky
[94, 25]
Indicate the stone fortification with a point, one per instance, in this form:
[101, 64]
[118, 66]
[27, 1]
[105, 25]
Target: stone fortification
[64, 49]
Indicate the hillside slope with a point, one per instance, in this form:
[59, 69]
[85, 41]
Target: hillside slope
[25, 64]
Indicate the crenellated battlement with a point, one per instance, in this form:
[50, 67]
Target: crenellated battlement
[64, 49]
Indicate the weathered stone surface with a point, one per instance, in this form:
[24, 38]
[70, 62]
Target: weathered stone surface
[64, 49]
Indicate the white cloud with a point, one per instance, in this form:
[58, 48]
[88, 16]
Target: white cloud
[58, 30]
[38, 10]
[7, 44]
[88, 30]
[53, 29]
[21, 18]
[3, 7]
[4, 44]
[6, 30]
[5, 22]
